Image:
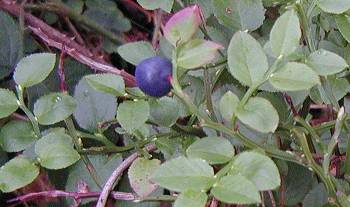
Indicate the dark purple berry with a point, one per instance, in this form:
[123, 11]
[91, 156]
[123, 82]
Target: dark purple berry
[153, 76]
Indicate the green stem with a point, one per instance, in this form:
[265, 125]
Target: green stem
[312, 132]
[60, 8]
[26, 110]
[163, 198]
[207, 89]
[314, 166]
[78, 145]
[97, 137]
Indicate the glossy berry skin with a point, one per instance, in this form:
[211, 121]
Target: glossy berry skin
[152, 76]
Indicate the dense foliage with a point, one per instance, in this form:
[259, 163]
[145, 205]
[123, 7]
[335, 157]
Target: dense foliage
[233, 103]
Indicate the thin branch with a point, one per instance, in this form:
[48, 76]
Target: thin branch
[76, 195]
[56, 39]
[116, 174]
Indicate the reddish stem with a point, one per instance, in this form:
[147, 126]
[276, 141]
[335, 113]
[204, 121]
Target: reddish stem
[61, 74]
[57, 193]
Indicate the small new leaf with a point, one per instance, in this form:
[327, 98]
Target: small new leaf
[196, 53]
[183, 25]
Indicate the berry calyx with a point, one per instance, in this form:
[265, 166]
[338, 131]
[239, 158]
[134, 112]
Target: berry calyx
[153, 76]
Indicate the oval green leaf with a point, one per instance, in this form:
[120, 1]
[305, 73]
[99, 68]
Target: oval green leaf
[8, 102]
[259, 114]
[228, 104]
[240, 15]
[16, 136]
[108, 83]
[326, 63]
[17, 173]
[133, 114]
[139, 175]
[285, 34]
[191, 198]
[34, 68]
[259, 169]
[294, 77]
[215, 150]
[334, 6]
[343, 23]
[181, 174]
[246, 59]
[53, 108]
[236, 189]
[55, 151]
[135, 52]
[164, 111]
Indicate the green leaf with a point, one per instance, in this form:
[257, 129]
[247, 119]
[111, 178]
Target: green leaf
[166, 5]
[16, 136]
[316, 197]
[135, 52]
[298, 183]
[259, 114]
[164, 111]
[343, 24]
[53, 108]
[108, 83]
[55, 151]
[246, 59]
[240, 15]
[196, 53]
[285, 34]
[8, 102]
[139, 174]
[191, 198]
[93, 106]
[133, 114]
[294, 77]
[34, 68]
[11, 44]
[106, 14]
[259, 169]
[236, 189]
[228, 105]
[17, 173]
[215, 150]
[326, 63]
[334, 6]
[181, 174]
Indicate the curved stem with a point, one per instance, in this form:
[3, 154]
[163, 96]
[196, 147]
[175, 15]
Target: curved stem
[26, 110]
